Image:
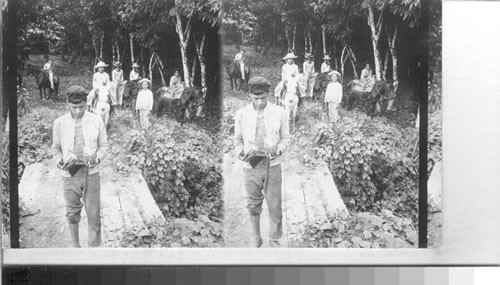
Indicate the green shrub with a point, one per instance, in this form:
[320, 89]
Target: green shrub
[374, 161]
[361, 230]
[34, 142]
[182, 165]
[201, 232]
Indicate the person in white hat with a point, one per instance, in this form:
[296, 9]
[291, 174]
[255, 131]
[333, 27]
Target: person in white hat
[239, 59]
[134, 74]
[333, 96]
[47, 67]
[144, 103]
[100, 78]
[289, 67]
[325, 66]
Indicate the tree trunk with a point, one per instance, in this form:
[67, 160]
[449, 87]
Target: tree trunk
[287, 35]
[200, 50]
[193, 71]
[132, 58]
[343, 58]
[391, 40]
[323, 35]
[386, 64]
[96, 50]
[376, 28]
[184, 33]
[353, 61]
[306, 48]
[294, 37]
[102, 46]
[161, 68]
[151, 69]
[335, 56]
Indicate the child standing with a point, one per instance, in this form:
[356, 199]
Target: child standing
[333, 97]
[144, 103]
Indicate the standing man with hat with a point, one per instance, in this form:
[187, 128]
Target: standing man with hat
[79, 144]
[261, 135]
[289, 67]
[100, 78]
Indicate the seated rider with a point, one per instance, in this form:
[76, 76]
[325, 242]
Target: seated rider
[134, 74]
[238, 58]
[367, 79]
[48, 69]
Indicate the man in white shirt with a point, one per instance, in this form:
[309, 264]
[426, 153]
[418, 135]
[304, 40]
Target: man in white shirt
[289, 67]
[261, 135]
[79, 144]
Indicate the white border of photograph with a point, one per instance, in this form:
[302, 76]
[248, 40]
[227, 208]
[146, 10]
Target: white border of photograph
[471, 172]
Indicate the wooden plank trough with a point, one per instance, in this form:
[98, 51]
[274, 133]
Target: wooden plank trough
[126, 203]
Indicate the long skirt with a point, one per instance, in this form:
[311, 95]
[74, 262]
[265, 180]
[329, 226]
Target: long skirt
[144, 119]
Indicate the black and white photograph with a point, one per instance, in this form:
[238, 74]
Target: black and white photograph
[118, 124]
[321, 121]
[221, 124]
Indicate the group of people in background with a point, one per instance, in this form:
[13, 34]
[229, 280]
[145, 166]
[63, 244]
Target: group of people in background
[107, 94]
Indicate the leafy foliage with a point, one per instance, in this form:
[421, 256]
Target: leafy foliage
[361, 230]
[201, 232]
[182, 166]
[373, 160]
[34, 141]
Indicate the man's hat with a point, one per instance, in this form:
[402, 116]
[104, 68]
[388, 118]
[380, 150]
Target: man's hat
[258, 85]
[76, 94]
[100, 64]
[135, 65]
[290, 55]
[117, 63]
[327, 57]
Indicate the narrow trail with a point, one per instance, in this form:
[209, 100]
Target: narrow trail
[126, 201]
[308, 191]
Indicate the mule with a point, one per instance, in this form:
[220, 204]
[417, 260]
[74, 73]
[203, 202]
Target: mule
[43, 82]
[289, 100]
[234, 73]
[100, 104]
[380, 95]
[130, 92]
[187, 106]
